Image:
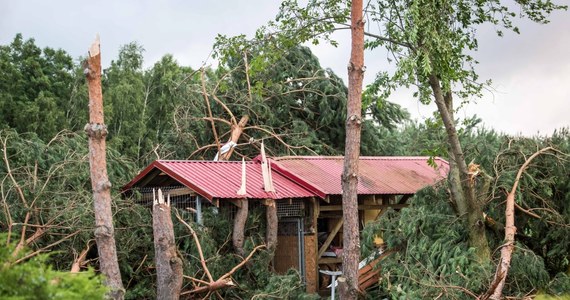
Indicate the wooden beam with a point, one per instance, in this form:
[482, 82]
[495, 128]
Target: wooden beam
[331, 236]
[380, 214]
[362, 207]
[315, 213]
[330, 260]
[149, 177]
[181, 192]
[405, 198]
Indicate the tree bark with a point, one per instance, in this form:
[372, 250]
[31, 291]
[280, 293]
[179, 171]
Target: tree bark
[454, 179]
[498, 283]
[237, 130]
[97, 131]
[168, 264]
[238, 234]
[467, 203]
[272, 223]
[351, 239]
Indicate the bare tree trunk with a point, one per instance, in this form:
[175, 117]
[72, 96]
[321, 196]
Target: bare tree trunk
[238, 234]
[498, 283]
[272, 223]
[351, 239]
[168, 264]
[97, 131]
[468, 205]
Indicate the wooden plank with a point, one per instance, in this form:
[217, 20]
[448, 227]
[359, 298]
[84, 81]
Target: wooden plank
[369, 282]
[311, 269]
[331, 236]
[180, 192]
[362, 207]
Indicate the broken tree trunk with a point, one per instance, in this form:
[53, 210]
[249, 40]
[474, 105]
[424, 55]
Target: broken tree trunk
[97, 131]
[238, 234]
[498, 283]
[168, 264]
[272, 222]
[237, 130]
[351, 240]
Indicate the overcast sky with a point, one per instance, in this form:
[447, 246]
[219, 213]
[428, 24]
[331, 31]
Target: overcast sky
[531, 71]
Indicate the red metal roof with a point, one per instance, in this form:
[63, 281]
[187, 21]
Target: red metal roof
[222, 179]
[377, 175]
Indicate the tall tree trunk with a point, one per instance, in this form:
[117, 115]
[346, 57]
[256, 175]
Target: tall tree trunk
[454, 178]
[97, 131]
[351, 239]
[466, 199]
[168, 264]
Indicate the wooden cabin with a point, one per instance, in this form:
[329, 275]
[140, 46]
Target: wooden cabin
[306, 191]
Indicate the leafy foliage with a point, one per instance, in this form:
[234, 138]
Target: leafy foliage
[35, 279]
[434, 258]
[296, 107]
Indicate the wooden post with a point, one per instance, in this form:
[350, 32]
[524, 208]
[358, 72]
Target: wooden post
[97, 131]
[351, 239]
[168, 264]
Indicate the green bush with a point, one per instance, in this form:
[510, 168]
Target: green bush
[35, 279]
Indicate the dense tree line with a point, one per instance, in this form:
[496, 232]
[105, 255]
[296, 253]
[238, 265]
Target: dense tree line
[296, 107]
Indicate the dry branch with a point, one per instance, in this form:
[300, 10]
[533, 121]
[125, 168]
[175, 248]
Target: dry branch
[224, 280]
[79, 261]
[496, 289]
[209, 109]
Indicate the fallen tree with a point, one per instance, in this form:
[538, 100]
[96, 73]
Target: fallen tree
[496, 288]
[212, 286]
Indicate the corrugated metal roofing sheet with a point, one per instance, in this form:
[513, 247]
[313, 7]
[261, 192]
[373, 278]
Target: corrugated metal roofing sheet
[377, 175]
[222, 179]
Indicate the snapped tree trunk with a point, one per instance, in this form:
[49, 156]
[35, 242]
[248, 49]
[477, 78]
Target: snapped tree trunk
[351, 239]
[97, 131]
[470, 209]
[238, 234]
[272, 223]
[168, 264]
[237, 130]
